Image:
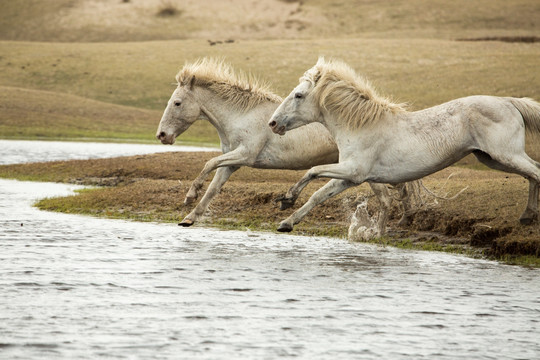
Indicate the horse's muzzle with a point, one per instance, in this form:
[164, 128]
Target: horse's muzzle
[275, 128]
[165, 139]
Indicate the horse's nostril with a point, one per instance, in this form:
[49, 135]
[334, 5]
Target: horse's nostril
[161, 135]
[272, 123]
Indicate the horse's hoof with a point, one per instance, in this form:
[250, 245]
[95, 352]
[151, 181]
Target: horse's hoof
[528, 217]
[286, 203]
[284, 227]
[526, 221]
[186, 223]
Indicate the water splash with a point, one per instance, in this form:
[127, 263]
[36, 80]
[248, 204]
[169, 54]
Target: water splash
[363, 227]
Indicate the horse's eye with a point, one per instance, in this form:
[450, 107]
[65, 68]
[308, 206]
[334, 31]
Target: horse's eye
[298, 96]
[177, 103]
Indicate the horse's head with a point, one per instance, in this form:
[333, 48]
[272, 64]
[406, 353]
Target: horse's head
[182, 111]
[299, 108]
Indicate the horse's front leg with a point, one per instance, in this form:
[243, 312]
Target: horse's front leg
[222, 175]
[236, 157]
[332, 188]
[339, 171]
[292, 194]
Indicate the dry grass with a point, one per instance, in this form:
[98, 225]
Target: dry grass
[421, 72]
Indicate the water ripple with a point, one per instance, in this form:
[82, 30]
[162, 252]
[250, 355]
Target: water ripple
[78, 287]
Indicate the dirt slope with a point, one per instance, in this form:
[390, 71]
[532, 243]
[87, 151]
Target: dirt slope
[141, 20]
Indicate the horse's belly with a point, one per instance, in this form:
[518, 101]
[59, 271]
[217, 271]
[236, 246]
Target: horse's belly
[296, 161]
[411, 170]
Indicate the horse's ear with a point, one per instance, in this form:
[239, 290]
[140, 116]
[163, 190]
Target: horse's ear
[191, 83]
[318, 65]
[317, 77]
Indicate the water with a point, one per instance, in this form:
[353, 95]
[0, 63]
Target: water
[85, 288]
[21, 151]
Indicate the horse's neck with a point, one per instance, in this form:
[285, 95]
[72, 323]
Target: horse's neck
[234, 125]
[215, 110]
[338, 130]
[348, 139]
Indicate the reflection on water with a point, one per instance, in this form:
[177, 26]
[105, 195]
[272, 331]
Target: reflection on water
[85, 288]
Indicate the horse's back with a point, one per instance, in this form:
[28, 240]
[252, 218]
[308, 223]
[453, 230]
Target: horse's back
[477, 111]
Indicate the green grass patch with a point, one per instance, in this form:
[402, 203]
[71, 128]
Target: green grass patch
[37, 114]
[521, 260]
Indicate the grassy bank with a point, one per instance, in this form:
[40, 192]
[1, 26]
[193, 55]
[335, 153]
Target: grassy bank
[482, 221]
[37, 114]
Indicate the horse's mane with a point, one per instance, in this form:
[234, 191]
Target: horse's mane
[341, 91]
[237, 88]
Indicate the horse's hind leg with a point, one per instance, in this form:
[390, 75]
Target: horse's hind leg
[530, 214]
[487, 160]
[385, 203]
[405, 191]
[524, 166]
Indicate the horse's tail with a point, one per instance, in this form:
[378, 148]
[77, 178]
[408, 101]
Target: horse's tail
[530, 111]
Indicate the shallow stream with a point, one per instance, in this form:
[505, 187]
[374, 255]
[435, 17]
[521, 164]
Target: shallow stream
[75, 287]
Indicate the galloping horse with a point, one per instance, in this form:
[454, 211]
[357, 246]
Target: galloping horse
[380, 141]
[239, 107]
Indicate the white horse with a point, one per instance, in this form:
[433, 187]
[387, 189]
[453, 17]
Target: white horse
[380, 141]
[239, 108]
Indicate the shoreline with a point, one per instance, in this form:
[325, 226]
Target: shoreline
[481, 222]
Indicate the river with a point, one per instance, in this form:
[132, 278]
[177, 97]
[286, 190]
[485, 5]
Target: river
[76, 287]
